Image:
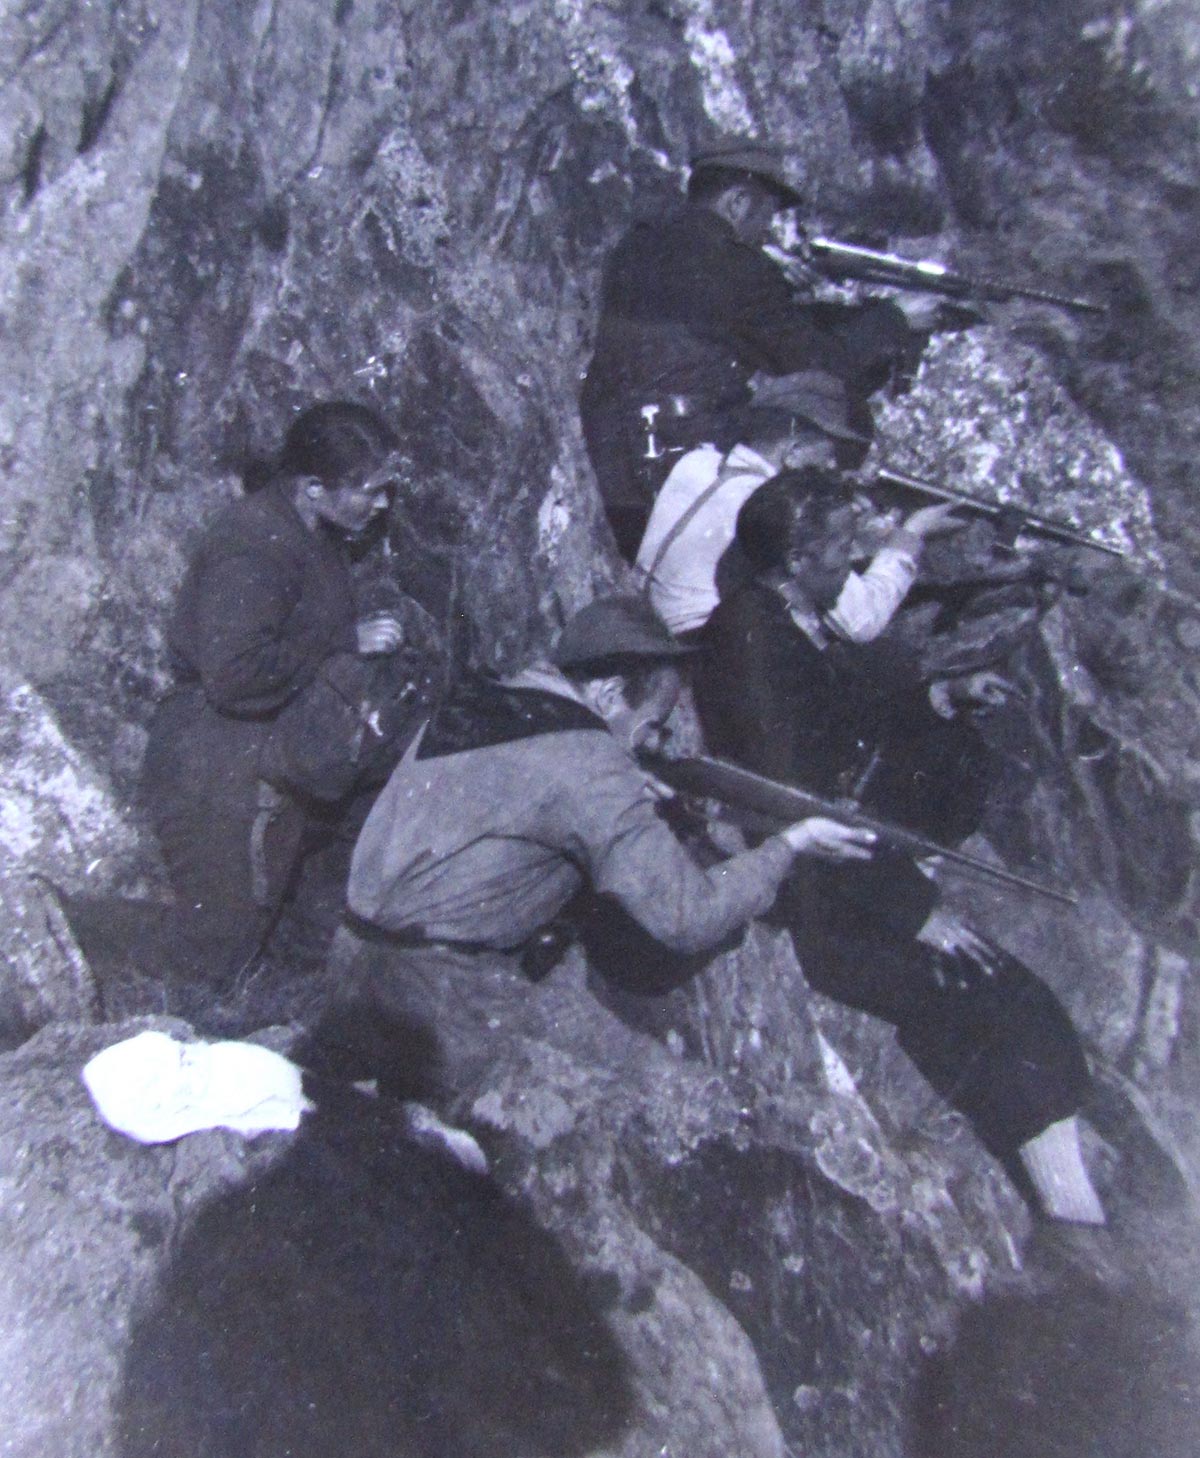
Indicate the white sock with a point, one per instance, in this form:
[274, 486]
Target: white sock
[1054, 1162]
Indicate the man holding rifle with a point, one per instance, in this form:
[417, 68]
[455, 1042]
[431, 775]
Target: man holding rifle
[784, 690]
[699, 327]
[517, 795]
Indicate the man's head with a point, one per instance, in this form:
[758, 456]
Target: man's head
[803, 524]
[790, 442]
[745, 183]
[624, 663]
[344, 461]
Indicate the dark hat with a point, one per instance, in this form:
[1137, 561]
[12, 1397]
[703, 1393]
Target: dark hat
[764, 164]
[814, 396]
[615, 627]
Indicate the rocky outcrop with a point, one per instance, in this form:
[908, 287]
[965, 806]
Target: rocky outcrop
[618, 1285]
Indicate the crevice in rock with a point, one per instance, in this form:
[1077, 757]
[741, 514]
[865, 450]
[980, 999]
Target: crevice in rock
[31, 170]
[95, 113]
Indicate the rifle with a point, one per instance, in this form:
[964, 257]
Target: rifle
[1013, 519]
[764, 800]
[849, 260]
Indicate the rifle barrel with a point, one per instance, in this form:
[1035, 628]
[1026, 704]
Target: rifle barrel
[1044, 524]
[783, 804]
[925, 273]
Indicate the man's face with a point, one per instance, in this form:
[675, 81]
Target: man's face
[643, 725]
[751, 211]
[850, 530]
[351, 508]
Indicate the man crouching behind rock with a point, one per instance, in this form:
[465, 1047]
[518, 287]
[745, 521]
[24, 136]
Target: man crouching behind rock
[518, 793]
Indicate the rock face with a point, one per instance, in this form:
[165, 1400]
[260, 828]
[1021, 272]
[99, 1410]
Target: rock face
[215, 213]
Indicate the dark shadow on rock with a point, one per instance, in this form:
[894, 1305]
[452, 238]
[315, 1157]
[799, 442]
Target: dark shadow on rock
[1077, 1372]
[15, 1026]
[797, 1262]
[369, 1297]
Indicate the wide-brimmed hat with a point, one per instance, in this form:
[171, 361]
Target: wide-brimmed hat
[615, 627]
[763, 163]
[814, 396]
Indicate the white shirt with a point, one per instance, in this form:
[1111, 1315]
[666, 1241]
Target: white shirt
[680, 563]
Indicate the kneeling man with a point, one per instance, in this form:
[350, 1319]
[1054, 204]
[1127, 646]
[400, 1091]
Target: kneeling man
[517, 794]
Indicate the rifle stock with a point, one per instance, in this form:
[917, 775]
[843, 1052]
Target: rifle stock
[1044, 525]
[777, 804]
[849, 260]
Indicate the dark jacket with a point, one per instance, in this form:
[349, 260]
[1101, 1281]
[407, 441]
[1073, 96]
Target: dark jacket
[835, 719]
[687, 310]
[998, 1046]
[264, 618]
[852, 719]
[264, 603]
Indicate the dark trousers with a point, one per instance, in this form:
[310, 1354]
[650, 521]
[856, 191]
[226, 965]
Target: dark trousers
[1000, 1048]
[231, 847]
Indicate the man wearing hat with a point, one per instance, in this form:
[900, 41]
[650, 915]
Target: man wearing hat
[520, 788]
[688, 546]
[699, 327]
[517, 794]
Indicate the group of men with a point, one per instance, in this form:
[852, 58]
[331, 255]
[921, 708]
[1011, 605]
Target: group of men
[717, 410]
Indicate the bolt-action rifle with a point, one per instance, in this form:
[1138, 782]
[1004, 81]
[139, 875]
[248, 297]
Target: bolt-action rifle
[849, 260]
[1011, 519]
[766, 803]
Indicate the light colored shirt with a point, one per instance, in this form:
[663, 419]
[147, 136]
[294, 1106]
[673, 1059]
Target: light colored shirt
[488, 844]
[868, 600]
[690, 528]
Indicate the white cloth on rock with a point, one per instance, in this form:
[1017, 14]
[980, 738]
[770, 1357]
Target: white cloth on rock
[155, 1089]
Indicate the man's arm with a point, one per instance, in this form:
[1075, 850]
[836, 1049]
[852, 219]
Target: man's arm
[868, 600]
[867, 603]
[613, 828]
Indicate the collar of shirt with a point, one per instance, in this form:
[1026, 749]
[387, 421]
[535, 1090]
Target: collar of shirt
[802, 613]
[548, 679]
[745, 458]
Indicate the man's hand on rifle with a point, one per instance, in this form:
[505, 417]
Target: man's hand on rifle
[829, 840]
[934, 521]
[947, 934]
[921, 311]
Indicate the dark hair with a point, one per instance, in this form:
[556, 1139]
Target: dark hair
[706, 184]
[334, 441]
[768, 520]
[639, 674]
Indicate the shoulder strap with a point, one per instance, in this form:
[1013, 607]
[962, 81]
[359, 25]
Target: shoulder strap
[685, 518]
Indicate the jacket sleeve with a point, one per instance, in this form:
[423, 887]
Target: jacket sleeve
[754, 307]
[249, 659]
[612, 829]
[753, 694]
[776, 332]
